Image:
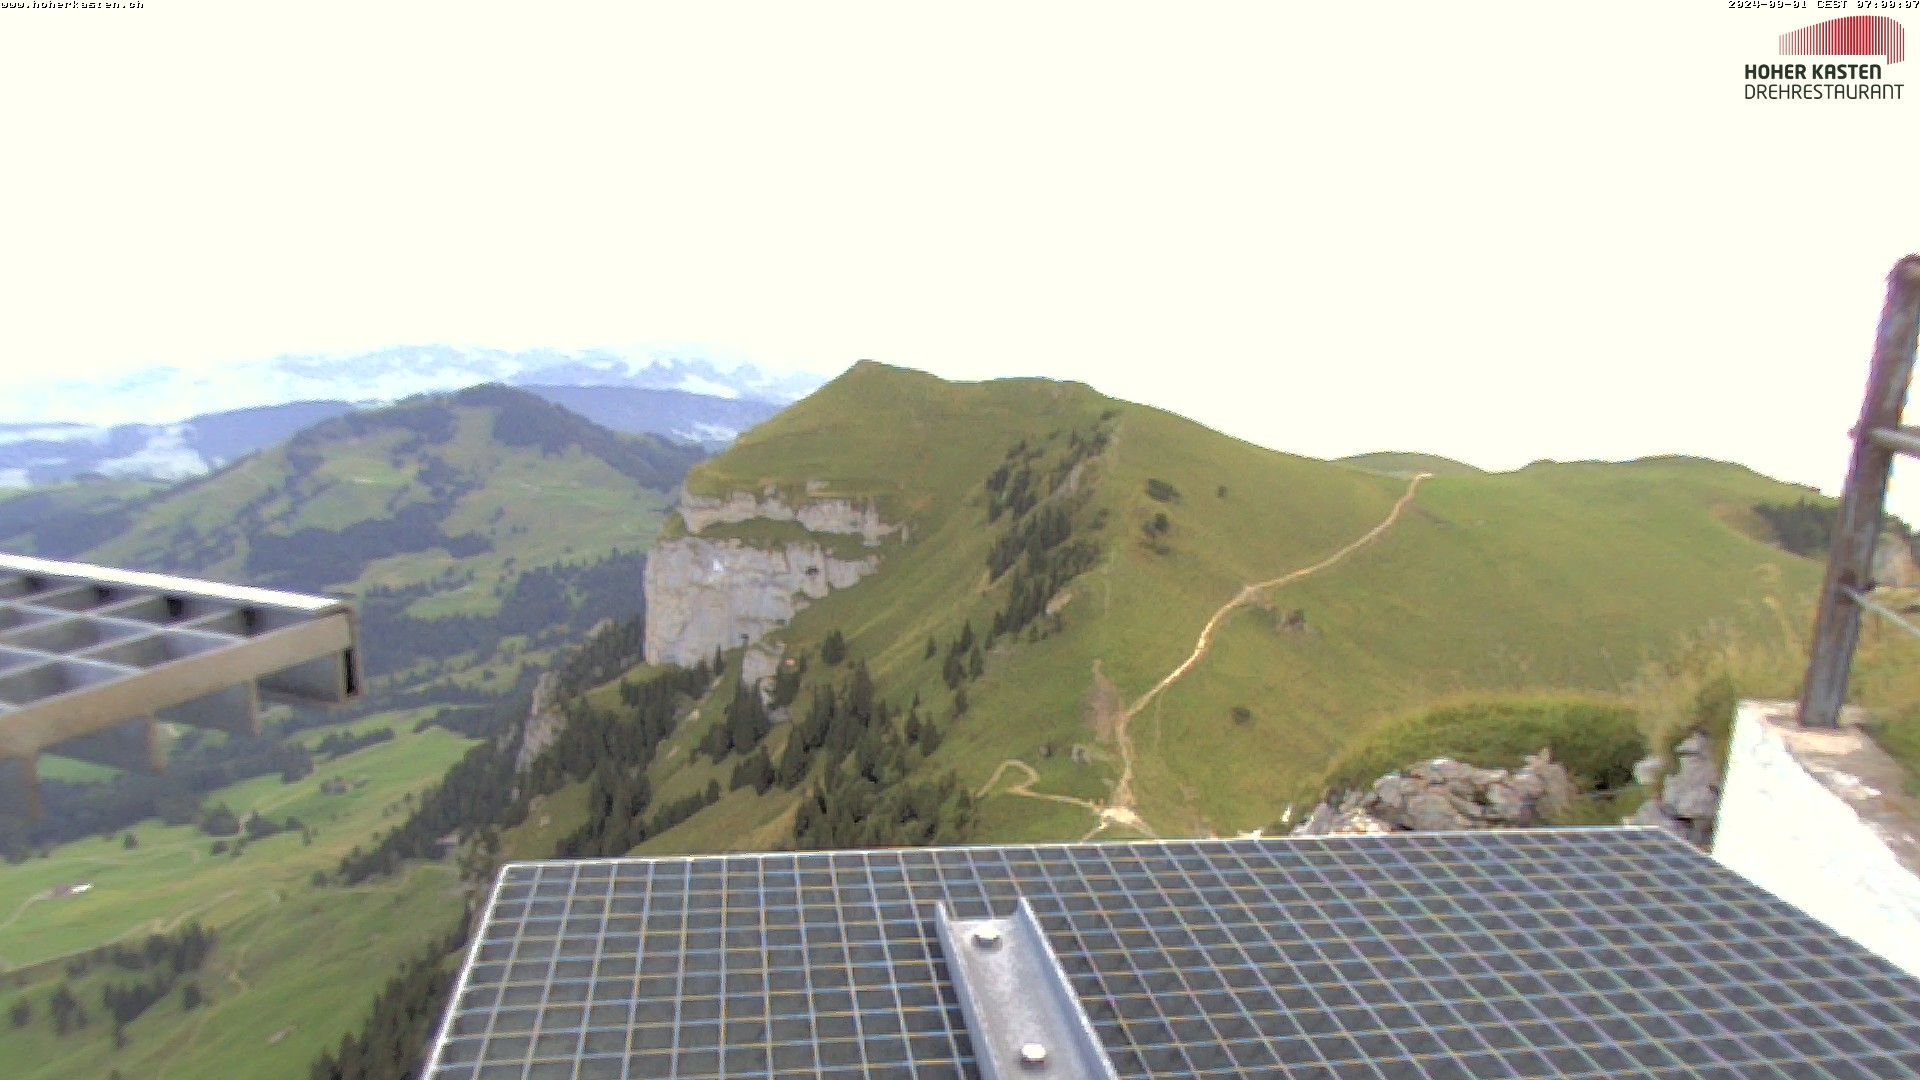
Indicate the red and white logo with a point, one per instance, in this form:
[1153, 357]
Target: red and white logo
[1854, 35]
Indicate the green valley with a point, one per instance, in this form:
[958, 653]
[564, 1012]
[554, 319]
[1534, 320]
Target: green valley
[294, 965]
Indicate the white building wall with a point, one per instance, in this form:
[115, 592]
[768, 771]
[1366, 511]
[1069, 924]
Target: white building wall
[1789, 833]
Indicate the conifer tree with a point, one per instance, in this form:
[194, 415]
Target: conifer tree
[834, 648]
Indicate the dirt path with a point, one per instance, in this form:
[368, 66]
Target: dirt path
[43, 894]
[1123, 790]
[1106, 816]
[1252, 592]
[1108, 719]
[1025, 787]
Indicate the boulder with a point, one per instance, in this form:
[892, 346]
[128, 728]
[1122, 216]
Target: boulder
[1318, 823]
[1692, 791]
[1424, 811]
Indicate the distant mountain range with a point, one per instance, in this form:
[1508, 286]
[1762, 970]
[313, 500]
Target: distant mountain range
[167, 395]
[155, 424]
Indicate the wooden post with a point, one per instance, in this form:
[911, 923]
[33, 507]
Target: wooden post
[1836, 628]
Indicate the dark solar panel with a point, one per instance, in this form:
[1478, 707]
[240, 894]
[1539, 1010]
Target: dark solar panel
[1585, 953]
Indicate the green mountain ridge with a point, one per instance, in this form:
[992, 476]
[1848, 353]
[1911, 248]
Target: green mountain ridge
[1566, 577]
[439, 452]
[457, 520]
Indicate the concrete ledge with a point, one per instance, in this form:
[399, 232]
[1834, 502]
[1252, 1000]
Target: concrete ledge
[1819, 819]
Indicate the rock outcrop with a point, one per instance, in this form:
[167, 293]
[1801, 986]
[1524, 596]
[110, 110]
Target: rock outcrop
[1687, 801]
[1443, 795]
[544, 724]
[839, 516]
[704, 594]
[545, 720]
[761, 663]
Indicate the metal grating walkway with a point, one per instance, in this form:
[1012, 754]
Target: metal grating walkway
[1579, 953]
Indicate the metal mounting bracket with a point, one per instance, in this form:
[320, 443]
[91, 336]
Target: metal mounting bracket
[1024, 1019]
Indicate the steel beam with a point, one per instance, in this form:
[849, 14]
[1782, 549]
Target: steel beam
[1023, 1018]
[133, 745]
[234, 710]
[1836, 629]
[326, 681]
[90, 656]
[1900, 440]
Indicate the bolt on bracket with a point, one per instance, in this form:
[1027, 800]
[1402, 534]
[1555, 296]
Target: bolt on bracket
[1023, 1017]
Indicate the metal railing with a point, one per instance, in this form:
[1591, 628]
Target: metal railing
[1876, 439]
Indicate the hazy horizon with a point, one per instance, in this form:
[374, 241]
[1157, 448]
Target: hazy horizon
[228, 396]
[1490, 237]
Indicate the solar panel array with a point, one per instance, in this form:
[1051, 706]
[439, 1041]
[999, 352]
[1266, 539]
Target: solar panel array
[1578, 953]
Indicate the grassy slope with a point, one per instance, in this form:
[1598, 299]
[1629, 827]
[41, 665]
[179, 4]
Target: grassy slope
[1567, 576]
[80, 496]
[289, 955]
[202, 508]
[1557, 575]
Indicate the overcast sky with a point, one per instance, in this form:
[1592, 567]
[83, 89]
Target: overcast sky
[1499, 232]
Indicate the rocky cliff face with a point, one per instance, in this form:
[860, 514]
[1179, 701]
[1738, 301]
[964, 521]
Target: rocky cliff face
[707, 593]
[543, 725]
[815, 515]
[545, 719]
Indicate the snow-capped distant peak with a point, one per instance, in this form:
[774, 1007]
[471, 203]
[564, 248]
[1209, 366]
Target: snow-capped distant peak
[164, 395]
[707, 433]
[697, 384]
